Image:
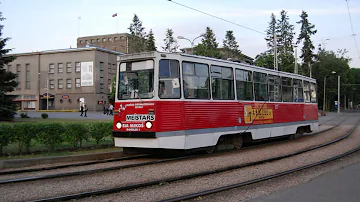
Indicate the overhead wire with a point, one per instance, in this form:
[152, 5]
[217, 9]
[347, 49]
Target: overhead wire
[352, 29]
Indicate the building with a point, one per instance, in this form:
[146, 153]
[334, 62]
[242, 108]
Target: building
[65, 79]
[115, 42]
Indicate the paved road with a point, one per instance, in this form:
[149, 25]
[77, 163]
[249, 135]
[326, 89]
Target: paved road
[70, 115]
[340, 185]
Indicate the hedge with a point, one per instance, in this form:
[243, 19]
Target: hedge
[52, 134]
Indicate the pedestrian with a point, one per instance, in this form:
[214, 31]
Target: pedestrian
[104, 109]
[86, 109]
[111, 107]
[81, 110]
[107, 109]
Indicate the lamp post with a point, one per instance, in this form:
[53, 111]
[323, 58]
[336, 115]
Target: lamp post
[324, 108]
[47, 93]
[296, 64]
[338, 94]
[191, 42]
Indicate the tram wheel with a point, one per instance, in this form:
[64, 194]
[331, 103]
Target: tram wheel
[238, 141]
[210, 150]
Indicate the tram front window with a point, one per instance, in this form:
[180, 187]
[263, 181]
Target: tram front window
[136, 80]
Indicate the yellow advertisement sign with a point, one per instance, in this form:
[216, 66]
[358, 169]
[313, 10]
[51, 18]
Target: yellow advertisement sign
[260, 114]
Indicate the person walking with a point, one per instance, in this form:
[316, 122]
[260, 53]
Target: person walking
[111, 107]
[85, 109]
[104, 109]
[81, 110]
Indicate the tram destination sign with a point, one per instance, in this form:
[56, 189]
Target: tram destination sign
[140, 117]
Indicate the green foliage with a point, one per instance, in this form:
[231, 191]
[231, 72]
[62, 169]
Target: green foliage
[7, 80]
[44, 115]
[306, 30]
[51, 134]
[231, 47]
[169, 41]
[285, 35]
[24, 133]
[5, 136]
[75, 133]
[24, 115]
[99, 131]
[150, 41]
[208, 46]
[265, 60]
[137, 41]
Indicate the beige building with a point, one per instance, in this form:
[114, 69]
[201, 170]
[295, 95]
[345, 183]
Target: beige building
[115, 42]
[72, 77]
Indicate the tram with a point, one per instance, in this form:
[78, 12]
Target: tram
[187, 102]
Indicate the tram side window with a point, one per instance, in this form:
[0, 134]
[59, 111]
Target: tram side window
[169, 79]
[244, 88]
[260, 86]
[313, 92]
[196, 80]
[287, 95]
[222, 81]
[298, 90]
[274, 88]
[307, 91]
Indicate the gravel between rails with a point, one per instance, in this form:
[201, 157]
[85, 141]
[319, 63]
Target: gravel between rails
[48, 188]
[179, 188]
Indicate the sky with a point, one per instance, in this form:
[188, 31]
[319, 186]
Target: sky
[36, 25]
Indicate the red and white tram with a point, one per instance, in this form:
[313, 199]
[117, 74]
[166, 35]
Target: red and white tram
[181, 101]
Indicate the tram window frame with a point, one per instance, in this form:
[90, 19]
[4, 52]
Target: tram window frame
[169, 77]
[243, 82]
[313, 97]
[258, 82]
[307, 92]
[191, 70]
[300, 94]
[219, 79]
[274, 80]
[286, 84]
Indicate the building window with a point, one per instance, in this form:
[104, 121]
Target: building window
[77, 67]
[122, 38]
[29, 97]
[68, 67]
[27, 67]
[9, 68]
[101, 69]
[92, 40]
[103, 39]
[109, 81]
[86, 41]
[222, 82]
[77, 83]
[109, 69]
[116, 39]
[51, 68]
[18, 78]
[68, 83]
[114, 69]
[110, 39]
[60, 68]
[29, 105]
[51, 84]
[60, 83]
[98, 40]
[81, 42]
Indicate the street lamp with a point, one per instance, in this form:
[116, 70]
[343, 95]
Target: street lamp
[191, 42]
[324, 104]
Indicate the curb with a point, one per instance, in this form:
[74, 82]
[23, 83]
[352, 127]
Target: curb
[17, 163]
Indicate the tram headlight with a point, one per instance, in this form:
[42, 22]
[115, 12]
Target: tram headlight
[118, 125]
[148, 125]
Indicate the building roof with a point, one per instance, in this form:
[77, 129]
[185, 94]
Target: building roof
[91, 48]
[103, 35]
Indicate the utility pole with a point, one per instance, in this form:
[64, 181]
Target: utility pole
[296, 65]
[338, 94]
[47, 93]
[310, 70]
[275, 53]
[324, 108]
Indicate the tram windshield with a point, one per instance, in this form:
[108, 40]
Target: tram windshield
[136, 80]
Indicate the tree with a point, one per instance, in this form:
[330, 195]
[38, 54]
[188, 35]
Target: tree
[137, 39]
[150, 41]
[231, 47]
[7, 80]
[270, 32]
[208, 46]
[306, 30]
[170, 43]
[285, 35]
[265, 60]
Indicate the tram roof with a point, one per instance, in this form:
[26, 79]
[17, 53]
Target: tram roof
[223, 61]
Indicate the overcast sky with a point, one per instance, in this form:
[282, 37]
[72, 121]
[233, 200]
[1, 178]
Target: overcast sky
[54, 24]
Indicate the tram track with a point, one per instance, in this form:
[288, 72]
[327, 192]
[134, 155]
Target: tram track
[194, 175]
[113, 168]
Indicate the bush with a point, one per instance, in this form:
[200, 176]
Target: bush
[51, 134]
[24, 133]
[24, 115]
[75, 133]
[44, 115]
[5, 136]
[100, 130]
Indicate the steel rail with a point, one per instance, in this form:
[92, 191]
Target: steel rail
[189, 176]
